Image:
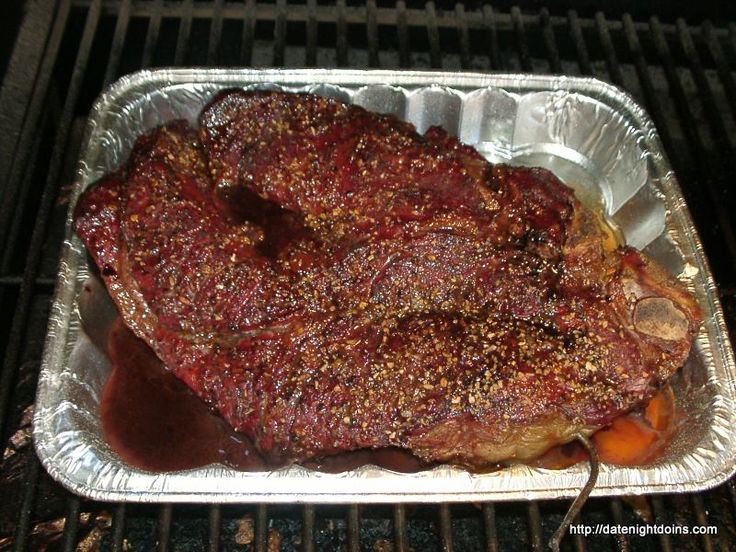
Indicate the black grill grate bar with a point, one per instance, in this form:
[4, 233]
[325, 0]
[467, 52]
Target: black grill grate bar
[118, 528]
[489, 527]
[579, 40]
[534, 521]
[341, 41]
[163, 527]
[20, 77]
[71, 525]
[399, 527]
[40, 282]
[279, 34]
[185, 28]
[713, 179]
[215, 516]
[371, 27]
[154, 23]
[445, 526]
[249, 30]
[21, 160]
[645, 80]
[548, 34]
[463, 36]
[709, 102]
[213, 48]
[489, 21]
[308, 525]
[617, 515]
[702, 518]
[433, 35]
[657, 506]
[521, 42]
[724, 72]
[261, 536]
[21, 200]
[23, 522]
[311, 33]
[402, 34]
[612, 65]
[353, 524]
[354, 14]
[732, 36]
[118, 41]
[33, 257]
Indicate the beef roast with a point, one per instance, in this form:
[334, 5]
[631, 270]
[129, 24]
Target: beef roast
[328, 280]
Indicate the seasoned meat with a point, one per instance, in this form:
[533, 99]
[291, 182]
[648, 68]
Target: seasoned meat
[329, 280]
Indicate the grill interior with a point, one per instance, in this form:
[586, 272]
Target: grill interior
[66, 52]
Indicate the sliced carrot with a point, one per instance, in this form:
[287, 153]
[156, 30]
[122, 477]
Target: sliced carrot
[626, 441]
[660, 412]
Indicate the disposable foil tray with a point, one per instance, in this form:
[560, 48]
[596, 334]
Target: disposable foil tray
[592, 135]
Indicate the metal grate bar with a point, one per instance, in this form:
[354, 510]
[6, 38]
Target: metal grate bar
[311, 33]
[13, 281]
[534, 522]
[71, 525]
[445, 522]
[709, 102]
[489, 527]
[154, 24]
[642, 70]
[21, 159]
[23, 522]
[580, 48]
[261, 542]
[213, 48]
[249, 31]
[713, 179]
[402, 34]
[433, 34]
[732, 36]
[215, 517]
[400, 528]
[163, 528]
[23, 195]
[353, 524]
[33, 257]
[617, 515]
[371, 27]
[118, 40]
[463, 36]
[702, 518]
[489, 20]
[342, 35]
[308, 522]
[355, 14]
[521, 47]
[23, 70]
[185, 29]
[724, 72]
[665, 543]
[612, 66]
[279, 34]
[118, 529]
[548, 33]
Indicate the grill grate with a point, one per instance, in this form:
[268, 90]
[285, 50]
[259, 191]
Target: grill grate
[68, 50]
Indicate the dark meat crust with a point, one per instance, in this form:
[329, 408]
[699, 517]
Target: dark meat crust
[329, 280]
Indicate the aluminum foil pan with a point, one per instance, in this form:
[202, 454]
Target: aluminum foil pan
[592, 135]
